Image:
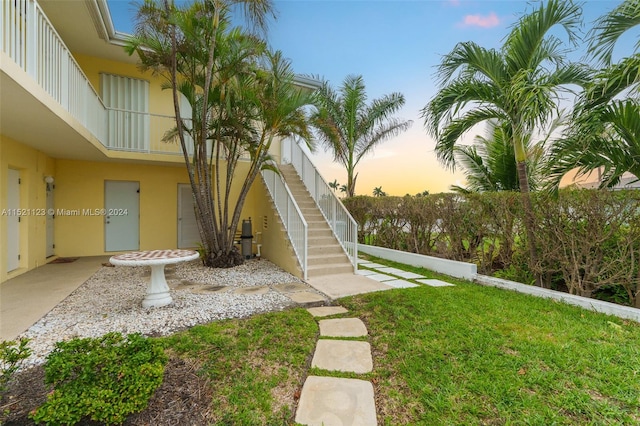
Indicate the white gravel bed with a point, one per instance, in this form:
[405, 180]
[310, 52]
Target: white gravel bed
[111, 301]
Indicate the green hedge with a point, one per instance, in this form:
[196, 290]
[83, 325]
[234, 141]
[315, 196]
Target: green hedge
[588, 241]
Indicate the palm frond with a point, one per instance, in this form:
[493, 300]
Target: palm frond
[610, 27]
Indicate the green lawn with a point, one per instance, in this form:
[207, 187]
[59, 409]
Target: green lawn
[454, 355]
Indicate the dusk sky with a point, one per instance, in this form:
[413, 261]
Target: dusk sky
[395, 46]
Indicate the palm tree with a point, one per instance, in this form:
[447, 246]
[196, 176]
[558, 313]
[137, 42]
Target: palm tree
[334, 185]
[606, 138]
[605, 134]
[241, 97]
[350, 128]
[378, 192]
[516, 84]
[490, 165]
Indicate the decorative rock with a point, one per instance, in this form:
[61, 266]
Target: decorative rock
[325, 311]
[332, 401]
[343, 355]
[342, 327]
[110, 301]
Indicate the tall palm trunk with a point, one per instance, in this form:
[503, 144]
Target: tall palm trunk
[529, 219]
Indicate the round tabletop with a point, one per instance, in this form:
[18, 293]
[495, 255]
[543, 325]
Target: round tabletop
[153, 257]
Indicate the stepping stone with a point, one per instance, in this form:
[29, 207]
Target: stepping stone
[333, 401]
[325, 311]
[365, 272]
[209, 289]
[381, 277]
[389, 270]
[263, 289]
[435, 283]
[409, 275]
[364, 262]
[342, 327]
[400, 284]
[290, 287]
[376, 265]
[307, 298]
[343, 355]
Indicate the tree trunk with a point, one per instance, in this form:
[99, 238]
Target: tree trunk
[529, 220]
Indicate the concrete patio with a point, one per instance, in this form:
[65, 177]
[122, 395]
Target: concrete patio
[28, 297]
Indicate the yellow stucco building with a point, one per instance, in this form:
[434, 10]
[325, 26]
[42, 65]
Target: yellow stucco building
[83, 170]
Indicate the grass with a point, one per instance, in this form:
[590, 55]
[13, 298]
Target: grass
[442, 356]
[255, 366]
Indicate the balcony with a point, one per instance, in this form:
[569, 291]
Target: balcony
[49, 102]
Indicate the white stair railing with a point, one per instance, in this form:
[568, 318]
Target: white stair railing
[294, 222]
[343, 225]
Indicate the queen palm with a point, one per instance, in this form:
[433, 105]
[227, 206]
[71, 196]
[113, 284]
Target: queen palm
[516, 84]
[352, 129]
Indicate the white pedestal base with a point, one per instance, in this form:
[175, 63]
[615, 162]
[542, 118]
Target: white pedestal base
[158, 291]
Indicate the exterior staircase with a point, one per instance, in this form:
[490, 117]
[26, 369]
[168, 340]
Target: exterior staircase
[325, 254]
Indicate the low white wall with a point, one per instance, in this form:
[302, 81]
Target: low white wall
[570, 299]
[453, 268]
[469, 271]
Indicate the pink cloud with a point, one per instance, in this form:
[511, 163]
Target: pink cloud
[489, 21]
[454, 2]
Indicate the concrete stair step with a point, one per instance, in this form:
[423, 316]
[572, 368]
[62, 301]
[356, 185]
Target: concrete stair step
[329, 269]
[323, 259]
[313, 233]
[323, 250]
[323, 241]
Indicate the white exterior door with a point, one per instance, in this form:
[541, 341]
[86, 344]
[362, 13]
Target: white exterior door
[188, 235]
[50, 217]
[122, 219]
[13, 220]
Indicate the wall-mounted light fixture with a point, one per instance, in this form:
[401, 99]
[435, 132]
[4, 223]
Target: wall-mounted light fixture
[48, 179]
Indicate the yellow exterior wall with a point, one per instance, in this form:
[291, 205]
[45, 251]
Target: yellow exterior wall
[276, 246]
[80, 185]
[33, 166]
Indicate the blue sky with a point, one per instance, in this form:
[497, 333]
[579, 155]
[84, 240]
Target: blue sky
[395, 45]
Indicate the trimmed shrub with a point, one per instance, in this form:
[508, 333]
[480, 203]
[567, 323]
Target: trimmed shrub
[104, 379]
[12, 354]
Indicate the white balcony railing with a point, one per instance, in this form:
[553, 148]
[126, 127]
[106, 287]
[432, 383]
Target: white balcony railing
[344, 227]
[290, 214]
[29, 39]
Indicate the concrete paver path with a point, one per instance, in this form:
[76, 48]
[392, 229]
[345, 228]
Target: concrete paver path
[333, 401]
[342, 327]
[338, 401]
[343, 355]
